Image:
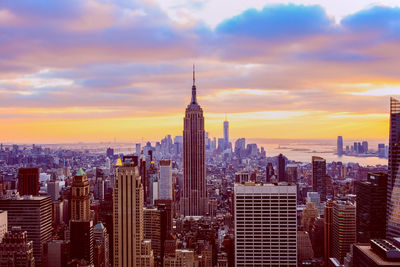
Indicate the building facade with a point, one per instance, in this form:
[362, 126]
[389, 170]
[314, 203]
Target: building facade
[265, 225]
[80, 197]
[319, 176]
[28, 181]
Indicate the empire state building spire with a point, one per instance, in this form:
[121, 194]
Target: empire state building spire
[194, 100]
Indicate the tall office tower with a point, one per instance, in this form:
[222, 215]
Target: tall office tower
[226, 133]
[110, 152]
[33, 214]
[393, 198]
[281, 169]
[343, 228]
[56, 253]
[328, 220]
[167, 206]
[291, 173]
[152, 175]
[128, 214]
[339, 149]
[101, 237]
[319, 176]
[194, 200]
[16, 250]
[3, 223]
[82, 240]
[53, 189]
[166, 188]
[80, 197]
[371, 207]
[154, 230]
[99, 189]
[28, 181]
[144, 177]
[269, 172]
[265, 225]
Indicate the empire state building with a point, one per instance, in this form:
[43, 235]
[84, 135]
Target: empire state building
[194, 201]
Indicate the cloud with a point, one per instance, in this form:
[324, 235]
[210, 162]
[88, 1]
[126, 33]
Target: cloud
[278, 22]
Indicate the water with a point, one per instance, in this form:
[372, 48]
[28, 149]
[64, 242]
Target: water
[303, 150]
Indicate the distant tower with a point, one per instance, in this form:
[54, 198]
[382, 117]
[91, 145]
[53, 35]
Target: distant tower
[393, 187]
[80, 198]
[226, 132]
[28, 181]
[281, 169]
[319, 176]
[340, 145]
[194, 201]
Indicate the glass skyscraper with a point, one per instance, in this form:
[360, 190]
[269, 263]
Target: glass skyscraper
[393, 192]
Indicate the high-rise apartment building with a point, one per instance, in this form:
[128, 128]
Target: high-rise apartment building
[128, 215]
[393, 188]
[343, 228]
[371, 207]
[33, 214]
[194, 200]
[28, 181]
[165, 183]
[80, 197]
[16, 249]
[319, 176]
[339, 149]
[265, 225]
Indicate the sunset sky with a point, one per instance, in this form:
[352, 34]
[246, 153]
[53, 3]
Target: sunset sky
[73, 70]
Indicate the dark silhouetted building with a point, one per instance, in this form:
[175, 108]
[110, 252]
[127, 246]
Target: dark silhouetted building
[28, 181]
[378, 253]
[281, 168]
[82, 240]
[371, 207]
[319, 176]
[339, 149]
[269, 172]
[393, 196]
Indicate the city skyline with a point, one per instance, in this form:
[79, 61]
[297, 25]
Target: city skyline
[80, 80]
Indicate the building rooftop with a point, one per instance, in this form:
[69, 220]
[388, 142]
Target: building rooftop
[370, 253]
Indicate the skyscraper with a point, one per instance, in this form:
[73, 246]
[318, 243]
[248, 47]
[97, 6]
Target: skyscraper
[269, 172]
[340, 145]
[328, 220]
[393, 197]
[82, 240]
[226, 133]
[281, 169]
[343, 228]
[319, 176]
[128, 214]
[32, 214]
[371, 207]
[265, 225]
[194, 200]
[80, 198]
[101, 237]
[28, 181]
[165, 184]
